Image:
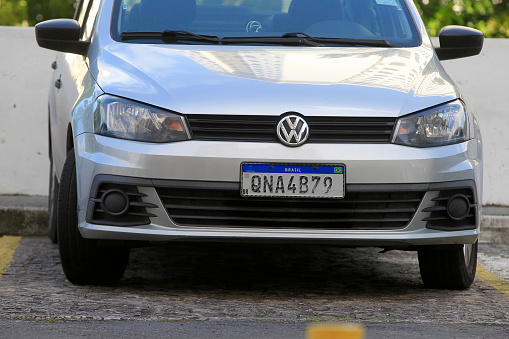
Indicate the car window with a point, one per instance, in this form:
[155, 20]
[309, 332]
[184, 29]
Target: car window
[358, 19]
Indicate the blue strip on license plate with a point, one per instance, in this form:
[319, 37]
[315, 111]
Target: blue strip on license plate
[297, 169]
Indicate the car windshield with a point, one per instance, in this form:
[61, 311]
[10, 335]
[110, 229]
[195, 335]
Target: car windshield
[258, 21]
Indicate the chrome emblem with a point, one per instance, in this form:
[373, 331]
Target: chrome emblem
[253, 26]
[292, 130]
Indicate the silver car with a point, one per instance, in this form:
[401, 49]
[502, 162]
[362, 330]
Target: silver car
[327, 121]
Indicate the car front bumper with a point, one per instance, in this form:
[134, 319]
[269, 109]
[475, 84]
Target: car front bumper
[378, 167]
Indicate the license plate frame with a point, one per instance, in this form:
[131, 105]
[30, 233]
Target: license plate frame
[315, 173]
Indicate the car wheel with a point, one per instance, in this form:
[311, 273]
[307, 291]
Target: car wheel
[52, 205]
[451, 267]
[83, 260]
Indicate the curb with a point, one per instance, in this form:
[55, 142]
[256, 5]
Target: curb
[23, 221]
[495, 229]
[31, 221]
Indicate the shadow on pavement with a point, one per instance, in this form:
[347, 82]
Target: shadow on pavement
[279, 268]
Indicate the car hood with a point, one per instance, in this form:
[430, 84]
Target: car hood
[248, 80]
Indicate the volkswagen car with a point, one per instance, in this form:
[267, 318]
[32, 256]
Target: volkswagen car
[278, 121]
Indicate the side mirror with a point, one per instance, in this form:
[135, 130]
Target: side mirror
[61, 35]
[459, 42]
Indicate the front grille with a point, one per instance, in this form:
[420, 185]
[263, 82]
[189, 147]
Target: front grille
[439, 218]
[220, 206]
[263, 128]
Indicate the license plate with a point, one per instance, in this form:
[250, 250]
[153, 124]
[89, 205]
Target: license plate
[289, 180]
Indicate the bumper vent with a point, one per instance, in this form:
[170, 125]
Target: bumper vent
[133, 214]
[224, 207]
[444, 215]
[263, 128]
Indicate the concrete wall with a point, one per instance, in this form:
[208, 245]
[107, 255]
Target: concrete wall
[25, 71]
[24, 82]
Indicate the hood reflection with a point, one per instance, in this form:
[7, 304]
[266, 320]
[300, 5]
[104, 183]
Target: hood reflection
[395, 69]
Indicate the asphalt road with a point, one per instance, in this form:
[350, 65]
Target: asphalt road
[250, 291]
[236, 329]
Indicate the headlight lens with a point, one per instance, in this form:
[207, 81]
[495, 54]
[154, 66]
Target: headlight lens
[125, 119]
[442, 125]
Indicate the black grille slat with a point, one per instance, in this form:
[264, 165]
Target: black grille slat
[142, 204]
[220, 137]
[435, 209]
[221, 121]
[446, 198]
[225, 207]
[364, 124]
[352, 132]
[442, 218]
[291, 210]
[287, 220]
[227, 130]
[141, 214]
[135, 194]
[263, 128]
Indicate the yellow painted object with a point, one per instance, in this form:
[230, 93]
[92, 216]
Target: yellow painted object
[8, 245]
[335, 331]
[492, 279]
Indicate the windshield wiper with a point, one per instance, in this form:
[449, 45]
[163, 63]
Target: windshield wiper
[297, 38]
[346, 41]
[300, 38]
[285, 39]
[356, 42]
[169, 36]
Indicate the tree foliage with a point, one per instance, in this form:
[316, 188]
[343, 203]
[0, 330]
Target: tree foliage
[30, 12]
[489, 16]
[13, 12]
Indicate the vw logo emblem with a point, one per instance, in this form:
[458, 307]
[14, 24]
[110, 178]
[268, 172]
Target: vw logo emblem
[292, 130]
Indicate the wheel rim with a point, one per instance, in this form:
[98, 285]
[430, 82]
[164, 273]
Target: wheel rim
[467, 253]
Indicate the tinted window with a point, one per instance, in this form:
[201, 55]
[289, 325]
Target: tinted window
[361, 19]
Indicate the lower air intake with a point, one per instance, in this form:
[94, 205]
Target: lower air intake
[220, 205]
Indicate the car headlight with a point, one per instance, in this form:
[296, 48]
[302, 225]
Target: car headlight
[125, 119]
[442, 125]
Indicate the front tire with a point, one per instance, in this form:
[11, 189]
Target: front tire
[84, 262]
[448, 266]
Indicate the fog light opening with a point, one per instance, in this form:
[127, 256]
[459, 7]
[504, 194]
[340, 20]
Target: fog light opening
[114, 202]
[458, 207]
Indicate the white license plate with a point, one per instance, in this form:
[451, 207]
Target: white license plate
[289, 180]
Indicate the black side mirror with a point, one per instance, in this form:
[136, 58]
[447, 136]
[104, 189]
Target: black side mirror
[61, 35]
[459, 42]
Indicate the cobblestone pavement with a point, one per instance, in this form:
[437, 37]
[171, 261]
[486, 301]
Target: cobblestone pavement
[246, 282]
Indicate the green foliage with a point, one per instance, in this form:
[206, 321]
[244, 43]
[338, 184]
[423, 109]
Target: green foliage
[13, 12]
[30, 12]
[489, 16]
[40, 10]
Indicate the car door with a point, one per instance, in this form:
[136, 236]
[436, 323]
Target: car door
[65, 89]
